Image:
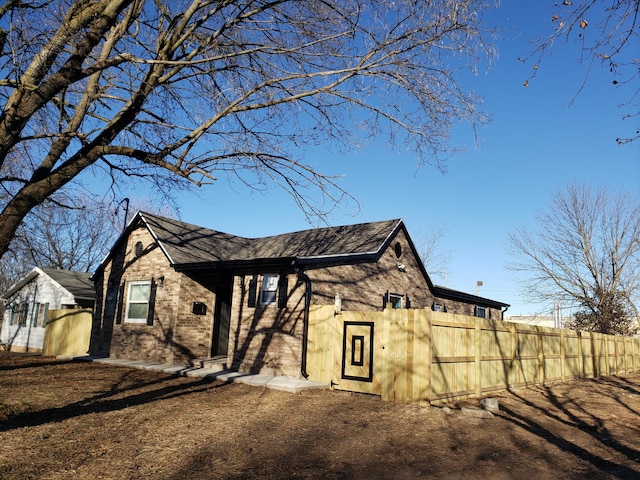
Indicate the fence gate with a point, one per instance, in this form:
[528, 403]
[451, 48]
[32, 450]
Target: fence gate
[357, 351]
[381, 353]
[360, 346]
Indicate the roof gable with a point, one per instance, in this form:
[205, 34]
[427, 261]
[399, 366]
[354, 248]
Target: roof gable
[78, 284]
[185, 243]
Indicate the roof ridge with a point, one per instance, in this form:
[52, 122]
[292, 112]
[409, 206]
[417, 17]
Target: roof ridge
[333, 227]
[188, 243]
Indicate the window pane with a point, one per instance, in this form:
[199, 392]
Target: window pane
[137, 310]
[269, 289]
[139, 292]
[270, 282]
[268, 297]
[396, 301]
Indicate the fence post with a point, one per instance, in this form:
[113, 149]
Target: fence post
[478, 358]
[606, 352]
[595, 354]
[514, 355]
[428, 345]
[580, 356]
[386, 377]
[562, 356]
[540, 356]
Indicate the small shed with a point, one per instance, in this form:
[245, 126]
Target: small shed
[28, 302]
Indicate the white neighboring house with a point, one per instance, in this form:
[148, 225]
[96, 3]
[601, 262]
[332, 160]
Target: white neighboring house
[28, 301]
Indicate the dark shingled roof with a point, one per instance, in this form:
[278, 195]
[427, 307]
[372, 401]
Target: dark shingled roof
[190, 247]
[185, 243]
[77, 283]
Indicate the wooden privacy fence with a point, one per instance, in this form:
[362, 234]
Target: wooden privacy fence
[67, 332]
[421, 356]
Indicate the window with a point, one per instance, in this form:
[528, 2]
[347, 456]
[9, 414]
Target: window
[481, 312]
[22, 314]
[437, 307]
[269, 289]
[395, 300]
[138, 302]
[40, 315]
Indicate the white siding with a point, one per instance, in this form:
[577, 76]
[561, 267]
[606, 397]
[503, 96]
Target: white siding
[41, 290]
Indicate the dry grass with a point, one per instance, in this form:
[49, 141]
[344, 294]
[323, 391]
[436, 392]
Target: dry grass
[61, 419]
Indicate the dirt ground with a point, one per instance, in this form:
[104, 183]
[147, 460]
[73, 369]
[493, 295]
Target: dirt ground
[62, 419]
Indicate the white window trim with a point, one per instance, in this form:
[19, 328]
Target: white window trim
[269, 284]
[484, 312]
[137, 320]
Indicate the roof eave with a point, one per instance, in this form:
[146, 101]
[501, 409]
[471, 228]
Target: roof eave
[447, 293]
[21, 283]
[121, 238]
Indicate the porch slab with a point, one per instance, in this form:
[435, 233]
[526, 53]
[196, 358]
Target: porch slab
[121, 362]
[294, 385]
[255, 380]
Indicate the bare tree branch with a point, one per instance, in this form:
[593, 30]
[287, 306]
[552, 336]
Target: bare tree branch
[606, 33]
[187, 89]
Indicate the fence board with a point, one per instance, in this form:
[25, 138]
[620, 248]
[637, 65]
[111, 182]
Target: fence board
[67, 332]
[423, 356]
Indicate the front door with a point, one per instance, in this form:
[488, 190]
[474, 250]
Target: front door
[221, 319]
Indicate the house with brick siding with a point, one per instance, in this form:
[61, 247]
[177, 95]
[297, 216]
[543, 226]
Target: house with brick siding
[171, 292]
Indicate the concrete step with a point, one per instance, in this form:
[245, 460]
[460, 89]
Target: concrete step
[218, 363]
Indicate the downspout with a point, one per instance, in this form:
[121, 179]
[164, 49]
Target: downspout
[305, 316]
[502, 312]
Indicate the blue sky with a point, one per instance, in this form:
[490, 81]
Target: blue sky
[535, 144]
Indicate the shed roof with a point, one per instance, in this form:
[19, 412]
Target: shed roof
[77, 284]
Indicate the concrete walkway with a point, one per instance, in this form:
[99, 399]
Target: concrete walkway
[287, 384]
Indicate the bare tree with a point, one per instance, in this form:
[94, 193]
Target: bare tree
[585, 253]
[13, 266]
[606, 33]
[434, 257]
[181, 92]
[70, 238]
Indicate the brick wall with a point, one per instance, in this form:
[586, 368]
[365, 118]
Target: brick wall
[363, 286]
[266, 338]
[176, 334]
